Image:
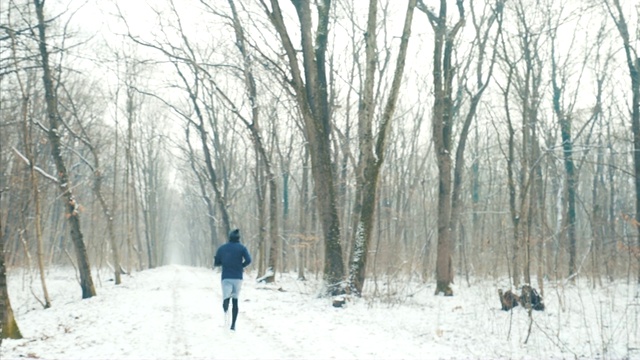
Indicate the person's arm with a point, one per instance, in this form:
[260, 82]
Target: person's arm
[247, 258]
[216, 259]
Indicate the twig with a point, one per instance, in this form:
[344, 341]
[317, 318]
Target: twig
[530, 324]
[559, 343]
[36, 168]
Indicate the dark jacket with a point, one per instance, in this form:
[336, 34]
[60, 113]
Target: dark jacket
[233, 257]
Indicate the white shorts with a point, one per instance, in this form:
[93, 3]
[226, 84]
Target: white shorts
[231, 288]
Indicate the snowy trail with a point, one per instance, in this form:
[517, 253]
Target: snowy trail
[178, 316]
[175, 312]
[196, 327]
[194, 322]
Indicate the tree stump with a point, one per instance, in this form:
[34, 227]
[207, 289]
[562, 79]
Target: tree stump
[508, 300]
[339, 301]
[529, 298]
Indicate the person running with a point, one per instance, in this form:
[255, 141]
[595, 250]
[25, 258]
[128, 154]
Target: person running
[233, 257]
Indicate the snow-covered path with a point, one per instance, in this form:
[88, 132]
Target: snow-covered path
[175, 312]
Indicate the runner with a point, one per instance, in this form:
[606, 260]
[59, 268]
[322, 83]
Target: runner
[233, 257]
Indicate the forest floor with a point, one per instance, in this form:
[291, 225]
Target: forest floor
[175, 312]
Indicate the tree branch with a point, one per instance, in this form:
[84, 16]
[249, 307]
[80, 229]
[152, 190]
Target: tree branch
[36, 168]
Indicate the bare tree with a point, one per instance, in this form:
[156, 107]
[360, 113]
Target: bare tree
[8, 326]
[312, 98]
[371, 157]
[199, 173]
[33, 176]
[192, 75]
[445, 116]
[522, 97]
[564, 100]
[442, 123]
[132, 107]
[54, 134]
[98, 177]
[633, 63]
[602, 200]
[253, 125]
[151, 174]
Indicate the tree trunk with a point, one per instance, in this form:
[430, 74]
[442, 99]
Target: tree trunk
[634, 73]
[261, 191]
[442, 131]
[8, 327]
[134, 249]
[303, 238]
[33, 177]
[567, 146]
[205, 196]
[150, 207]
[312, 100]
[254, 128]
[370, 162]
[97, 190]
[71, 206]
[117, 267]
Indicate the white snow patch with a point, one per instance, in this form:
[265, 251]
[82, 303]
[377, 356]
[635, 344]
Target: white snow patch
[175, 312]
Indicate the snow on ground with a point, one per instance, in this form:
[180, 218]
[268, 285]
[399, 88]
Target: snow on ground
[174, 312]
